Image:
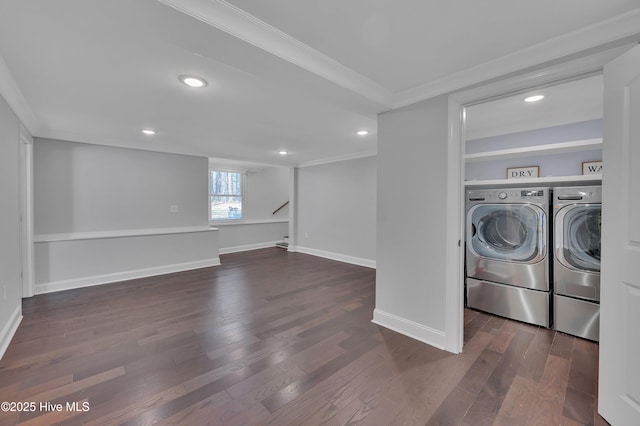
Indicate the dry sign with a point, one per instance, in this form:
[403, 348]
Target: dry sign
[523, 172]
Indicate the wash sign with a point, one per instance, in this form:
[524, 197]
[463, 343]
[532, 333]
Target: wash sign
[592, 167]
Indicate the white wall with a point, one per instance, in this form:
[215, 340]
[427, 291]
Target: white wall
[81, 187]
[10, 257]
[265, 191]
[412, 197]
[102, 214]
[336, 210]
[251, 236]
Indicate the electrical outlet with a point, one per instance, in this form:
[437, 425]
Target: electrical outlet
[174, 208]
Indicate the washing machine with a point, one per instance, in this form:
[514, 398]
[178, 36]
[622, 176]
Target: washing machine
[507, 255]
[576, 263]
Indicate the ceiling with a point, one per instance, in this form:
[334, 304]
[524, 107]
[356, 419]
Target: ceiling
[569, 102]
[295, 75]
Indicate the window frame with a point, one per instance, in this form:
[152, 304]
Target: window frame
[242, 196]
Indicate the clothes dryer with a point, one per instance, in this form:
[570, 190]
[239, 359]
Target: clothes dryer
[576, 264]
[507, 258]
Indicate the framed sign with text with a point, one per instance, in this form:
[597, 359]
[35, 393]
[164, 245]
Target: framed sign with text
[591, 167]
[523, 172]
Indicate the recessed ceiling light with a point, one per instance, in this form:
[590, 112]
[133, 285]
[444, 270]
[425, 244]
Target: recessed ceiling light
[362, 132]
[193, 81]
[148, 132]
[534, 98]
[282, 152]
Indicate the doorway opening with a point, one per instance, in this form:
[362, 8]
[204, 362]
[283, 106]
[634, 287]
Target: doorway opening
[461, 104]
[519, 148]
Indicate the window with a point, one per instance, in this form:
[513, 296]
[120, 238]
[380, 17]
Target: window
[225, 193]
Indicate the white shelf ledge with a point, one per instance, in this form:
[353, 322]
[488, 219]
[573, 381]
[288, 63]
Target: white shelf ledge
[552, 148]
[246, 222]
[536, 181]
[93, 235]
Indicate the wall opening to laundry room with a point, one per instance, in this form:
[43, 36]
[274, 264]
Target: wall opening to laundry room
[517, 151]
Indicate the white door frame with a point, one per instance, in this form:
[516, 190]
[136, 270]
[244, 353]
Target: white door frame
[570, 70]
[26, 210]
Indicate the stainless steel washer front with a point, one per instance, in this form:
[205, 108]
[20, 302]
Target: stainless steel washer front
[577, 219]
[576, 263]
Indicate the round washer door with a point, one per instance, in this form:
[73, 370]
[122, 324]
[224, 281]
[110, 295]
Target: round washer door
[578, 236]
[509, 232]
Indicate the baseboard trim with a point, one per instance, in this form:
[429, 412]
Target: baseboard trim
[369, 263]
[410, 328]
[10, 329]
[123, 276]
[248, 247]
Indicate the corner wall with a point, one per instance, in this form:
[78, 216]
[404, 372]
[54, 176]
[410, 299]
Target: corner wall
[336, 211]
[265, 191]
[412, 200]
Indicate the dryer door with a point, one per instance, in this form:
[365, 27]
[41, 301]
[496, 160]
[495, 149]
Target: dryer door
[578, 236]
[507, 232]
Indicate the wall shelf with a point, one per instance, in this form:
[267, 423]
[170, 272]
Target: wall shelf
[542, 181]
[554, 148]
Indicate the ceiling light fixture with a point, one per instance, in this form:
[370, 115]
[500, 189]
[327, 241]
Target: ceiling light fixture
[148, 132]
[362, 132]
[282, 152]
[534, 98]
[193, 81]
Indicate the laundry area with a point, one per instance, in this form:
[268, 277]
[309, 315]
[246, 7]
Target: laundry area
[533, 175]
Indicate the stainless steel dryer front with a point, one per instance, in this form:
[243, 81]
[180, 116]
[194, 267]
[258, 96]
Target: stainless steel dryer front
[507, 253]
[576, 264]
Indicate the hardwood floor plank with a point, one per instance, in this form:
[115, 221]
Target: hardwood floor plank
[487, 405]
[475, 325]
[502, 341]
[518, 403]
[206, 411]
[291, 391]
[582, 375]
[302, 408]
[562, 345]
[579, 406]
[453, 409]
[480, 371]
[549, 399]
[535, 358]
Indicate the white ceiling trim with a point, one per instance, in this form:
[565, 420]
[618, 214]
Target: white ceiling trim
[346, 157]
[155, 146]
[11, 92]
[233, 20]
[620, 27]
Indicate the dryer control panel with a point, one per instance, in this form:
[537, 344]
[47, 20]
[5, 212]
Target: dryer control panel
[532, 193]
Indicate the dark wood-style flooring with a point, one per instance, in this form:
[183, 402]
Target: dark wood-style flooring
[279, 338]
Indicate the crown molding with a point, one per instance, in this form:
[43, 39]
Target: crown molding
[345, 157]
[240, 24]
[11, 92]
[622, 28]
